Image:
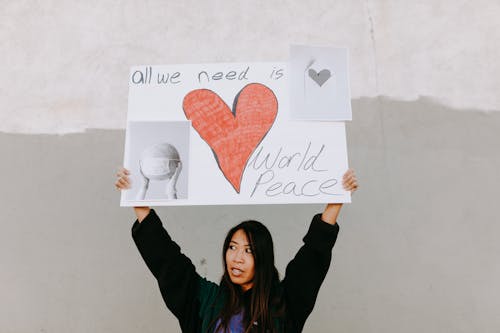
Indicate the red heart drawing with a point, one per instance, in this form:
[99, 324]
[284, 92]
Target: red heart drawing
[233, 134]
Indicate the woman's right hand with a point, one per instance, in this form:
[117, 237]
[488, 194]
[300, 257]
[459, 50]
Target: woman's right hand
[123, 183]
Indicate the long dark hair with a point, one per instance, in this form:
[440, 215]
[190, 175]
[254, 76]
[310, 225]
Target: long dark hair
[258, 316]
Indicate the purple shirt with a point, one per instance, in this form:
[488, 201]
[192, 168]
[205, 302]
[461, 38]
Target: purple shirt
[235, 324]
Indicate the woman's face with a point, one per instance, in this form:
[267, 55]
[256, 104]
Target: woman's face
[239, 261]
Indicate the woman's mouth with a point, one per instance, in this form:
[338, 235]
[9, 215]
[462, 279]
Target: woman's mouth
[236, 272]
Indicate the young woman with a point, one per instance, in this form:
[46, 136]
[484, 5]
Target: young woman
[250, 297]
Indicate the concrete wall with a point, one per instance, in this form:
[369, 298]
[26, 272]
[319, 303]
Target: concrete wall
[418, 248]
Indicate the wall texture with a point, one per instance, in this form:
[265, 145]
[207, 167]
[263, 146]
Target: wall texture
[418, 246]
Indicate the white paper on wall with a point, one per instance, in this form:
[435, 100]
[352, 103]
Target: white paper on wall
[209, 134]
[320, 83]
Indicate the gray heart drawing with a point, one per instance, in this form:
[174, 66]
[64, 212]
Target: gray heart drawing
[321, 77]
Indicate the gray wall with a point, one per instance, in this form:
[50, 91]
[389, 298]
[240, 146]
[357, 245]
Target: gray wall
[418, 248]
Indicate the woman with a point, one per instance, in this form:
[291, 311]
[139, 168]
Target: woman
[250, 296]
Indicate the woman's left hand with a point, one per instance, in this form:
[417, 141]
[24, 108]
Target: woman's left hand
[350, 183]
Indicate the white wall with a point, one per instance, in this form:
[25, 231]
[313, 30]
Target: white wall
[65, 63]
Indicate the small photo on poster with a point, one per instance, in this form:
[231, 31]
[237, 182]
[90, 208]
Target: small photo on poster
[157, 156]
[320, 83]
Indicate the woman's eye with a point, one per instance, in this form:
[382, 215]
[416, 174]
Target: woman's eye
[248, 250]
[232, 247]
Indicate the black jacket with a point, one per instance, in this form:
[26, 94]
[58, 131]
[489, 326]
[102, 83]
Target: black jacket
[197, 302]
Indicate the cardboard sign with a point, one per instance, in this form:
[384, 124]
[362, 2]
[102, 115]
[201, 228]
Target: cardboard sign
[210, 134]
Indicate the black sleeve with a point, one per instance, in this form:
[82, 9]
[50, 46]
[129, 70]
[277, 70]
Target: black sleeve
[306, 272]
[176, 275]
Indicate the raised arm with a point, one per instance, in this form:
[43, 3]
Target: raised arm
[176, 275]
[306, 272]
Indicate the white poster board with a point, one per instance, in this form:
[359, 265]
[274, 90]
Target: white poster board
[210, 134]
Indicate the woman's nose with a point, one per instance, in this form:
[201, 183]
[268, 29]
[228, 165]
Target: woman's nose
[238, 256]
